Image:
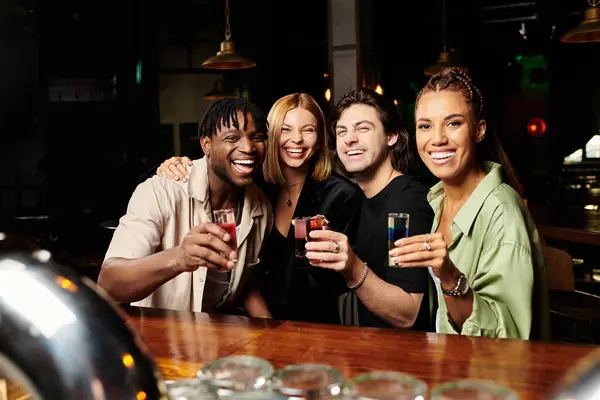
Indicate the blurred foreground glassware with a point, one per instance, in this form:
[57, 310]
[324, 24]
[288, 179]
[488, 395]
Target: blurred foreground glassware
[472, 390]
[257, 395]
[237, 374]
[386, 385]
[582, 381]
[308, 381]
[191, 389]
[63, 338]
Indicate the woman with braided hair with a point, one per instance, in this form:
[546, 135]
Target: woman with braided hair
[484, 252]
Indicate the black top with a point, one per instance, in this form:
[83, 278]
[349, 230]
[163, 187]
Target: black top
[293, 289]
[404, 194]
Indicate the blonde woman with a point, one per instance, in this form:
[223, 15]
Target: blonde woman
[299, 181]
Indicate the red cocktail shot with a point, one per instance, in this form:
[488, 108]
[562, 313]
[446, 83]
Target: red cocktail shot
[226, 220]
[302, 229]
[300, 236]
[316, 223]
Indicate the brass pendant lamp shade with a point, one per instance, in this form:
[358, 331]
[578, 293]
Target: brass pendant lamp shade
[218, 93]
[588, 31]
[445, 61]
[227, 58]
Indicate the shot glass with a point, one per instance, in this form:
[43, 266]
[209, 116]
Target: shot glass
[386, 385]
[300, 236]
[398, 224]
[225, 218]
[237, 374]
[190, 389]
[472, 390]
[308, 381]
[302, 228]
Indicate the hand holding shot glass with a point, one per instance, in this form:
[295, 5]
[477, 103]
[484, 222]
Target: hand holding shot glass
[226, 219]
[428, 250]
[208, 245]
[326, 248]
[302, 228]
[398, 224]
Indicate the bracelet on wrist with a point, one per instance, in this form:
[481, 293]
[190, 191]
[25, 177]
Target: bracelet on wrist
[360, 280]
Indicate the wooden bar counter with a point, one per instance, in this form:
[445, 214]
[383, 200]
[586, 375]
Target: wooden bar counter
[182, 342]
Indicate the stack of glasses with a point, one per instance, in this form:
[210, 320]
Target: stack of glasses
[252, 378]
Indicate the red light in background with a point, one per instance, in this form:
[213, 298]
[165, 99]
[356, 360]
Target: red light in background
[536, 127]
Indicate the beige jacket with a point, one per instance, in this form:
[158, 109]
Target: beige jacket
[159, 215]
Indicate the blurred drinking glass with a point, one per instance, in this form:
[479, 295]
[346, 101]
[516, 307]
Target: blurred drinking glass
[472, 390]
[386, 385]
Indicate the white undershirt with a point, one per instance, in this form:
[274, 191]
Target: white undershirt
[438, 288]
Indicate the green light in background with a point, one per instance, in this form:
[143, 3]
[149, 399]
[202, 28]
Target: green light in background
[535, 70]
[138, 72]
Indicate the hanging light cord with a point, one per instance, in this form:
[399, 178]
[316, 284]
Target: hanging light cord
[227, 25]
[445, 27]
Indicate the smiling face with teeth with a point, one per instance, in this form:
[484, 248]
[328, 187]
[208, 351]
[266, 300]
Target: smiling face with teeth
[297, 144]
[361, 141]
[234, 154]
[298, 138]
[447, 134]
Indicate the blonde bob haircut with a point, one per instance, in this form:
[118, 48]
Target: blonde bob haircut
[320, 160]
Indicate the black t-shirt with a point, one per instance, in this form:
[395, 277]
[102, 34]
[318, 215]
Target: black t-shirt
[404, 194]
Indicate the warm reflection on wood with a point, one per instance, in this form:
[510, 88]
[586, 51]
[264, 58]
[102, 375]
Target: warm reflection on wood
[435, 358]
[183, 342]
[177, 369]
[195, 337]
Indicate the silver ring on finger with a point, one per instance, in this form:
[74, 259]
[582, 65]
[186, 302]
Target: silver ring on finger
[427, 246]
[337, 247]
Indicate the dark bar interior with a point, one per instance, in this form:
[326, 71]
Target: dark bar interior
[96, 95]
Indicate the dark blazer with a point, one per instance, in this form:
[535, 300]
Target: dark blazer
[293, 288]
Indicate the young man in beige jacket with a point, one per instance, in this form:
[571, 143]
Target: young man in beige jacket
[167, 252]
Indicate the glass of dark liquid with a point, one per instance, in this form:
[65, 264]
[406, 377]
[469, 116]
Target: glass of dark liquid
[226, 219]
[397, 229]
[302, 228]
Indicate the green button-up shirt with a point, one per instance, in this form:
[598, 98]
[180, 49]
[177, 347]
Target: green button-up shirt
[496, 245]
